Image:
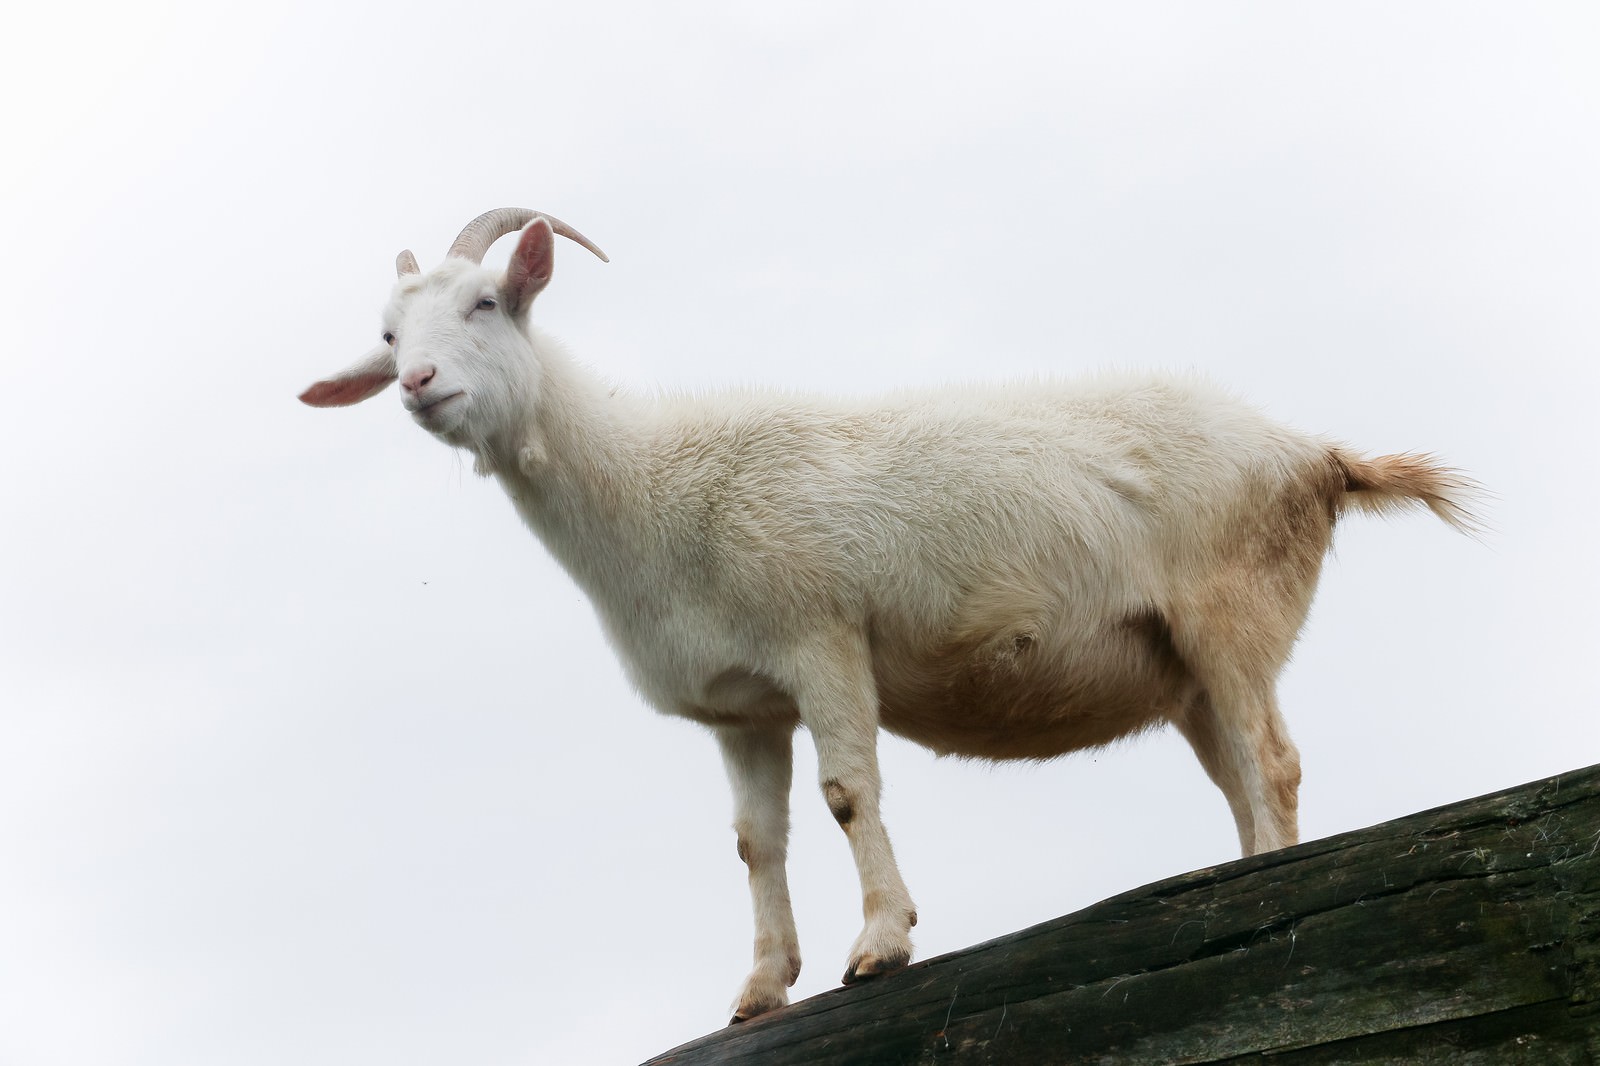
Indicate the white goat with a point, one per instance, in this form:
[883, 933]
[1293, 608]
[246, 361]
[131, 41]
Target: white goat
[1014, 572]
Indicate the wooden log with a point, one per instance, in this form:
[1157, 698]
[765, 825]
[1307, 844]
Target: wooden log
[1467, 934]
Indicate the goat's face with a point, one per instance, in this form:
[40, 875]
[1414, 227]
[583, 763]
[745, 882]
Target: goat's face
[460, 352]
[456, 338]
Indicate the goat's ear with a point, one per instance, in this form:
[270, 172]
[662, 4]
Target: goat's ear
[368, 377]
[530, 267]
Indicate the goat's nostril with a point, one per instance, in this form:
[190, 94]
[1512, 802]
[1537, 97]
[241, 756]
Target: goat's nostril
[417, 379]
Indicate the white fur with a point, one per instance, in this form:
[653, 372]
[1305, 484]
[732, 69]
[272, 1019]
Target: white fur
[1013, 571]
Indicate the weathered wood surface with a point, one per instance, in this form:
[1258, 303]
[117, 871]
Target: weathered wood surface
[1468, 934]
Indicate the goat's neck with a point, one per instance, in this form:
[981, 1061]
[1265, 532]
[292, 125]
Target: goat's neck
[577, 470]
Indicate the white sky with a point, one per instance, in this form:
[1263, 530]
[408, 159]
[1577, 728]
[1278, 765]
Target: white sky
[309, 753]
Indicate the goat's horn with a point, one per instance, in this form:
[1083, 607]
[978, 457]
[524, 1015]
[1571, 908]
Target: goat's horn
[492, 225]
[406, 263]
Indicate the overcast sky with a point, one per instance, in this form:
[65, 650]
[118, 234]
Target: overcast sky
[309, 753]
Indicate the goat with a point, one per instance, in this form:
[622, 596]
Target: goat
[1014, 572]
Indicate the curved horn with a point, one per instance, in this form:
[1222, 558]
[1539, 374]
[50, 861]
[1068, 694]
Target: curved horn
[492, 225]
[406, 263]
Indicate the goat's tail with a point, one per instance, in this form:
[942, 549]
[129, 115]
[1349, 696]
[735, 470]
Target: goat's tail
[1386, 484]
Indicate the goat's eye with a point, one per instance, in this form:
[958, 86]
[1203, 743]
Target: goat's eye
[486, 304]
[388, 338]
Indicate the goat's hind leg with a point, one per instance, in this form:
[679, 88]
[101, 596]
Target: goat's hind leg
[759, 761]
[1233, 626]
[1233, 722]
[1257, 778]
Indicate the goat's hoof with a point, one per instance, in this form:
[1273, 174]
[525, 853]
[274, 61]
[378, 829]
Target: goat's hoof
[753, 1004]
[869, 966]
[743, 1013]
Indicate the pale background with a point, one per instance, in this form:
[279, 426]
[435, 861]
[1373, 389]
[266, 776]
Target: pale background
[309, 754]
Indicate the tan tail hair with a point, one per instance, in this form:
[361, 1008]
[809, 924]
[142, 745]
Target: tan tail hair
[1386, 484]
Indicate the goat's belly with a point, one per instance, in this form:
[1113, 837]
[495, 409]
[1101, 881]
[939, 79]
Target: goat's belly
[1019, 696]
[1024, 724]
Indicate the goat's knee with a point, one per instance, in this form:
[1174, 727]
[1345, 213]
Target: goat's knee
[841, 803]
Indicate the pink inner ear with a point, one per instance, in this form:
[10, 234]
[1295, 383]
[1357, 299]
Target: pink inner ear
[532, 263]
[346, 390]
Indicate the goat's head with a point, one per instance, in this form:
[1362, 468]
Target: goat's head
[456, 337]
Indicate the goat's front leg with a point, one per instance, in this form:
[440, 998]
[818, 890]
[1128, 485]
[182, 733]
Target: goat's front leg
[839, 705]
[760, 763]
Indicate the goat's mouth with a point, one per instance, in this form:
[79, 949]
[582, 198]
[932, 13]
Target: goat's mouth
[431, 411]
